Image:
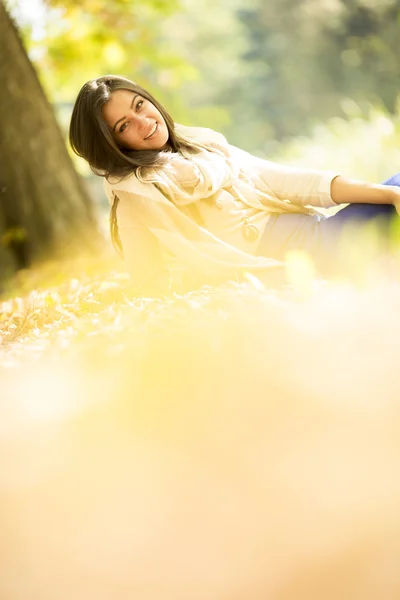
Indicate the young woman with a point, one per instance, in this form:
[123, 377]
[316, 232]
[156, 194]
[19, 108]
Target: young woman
[183, 194]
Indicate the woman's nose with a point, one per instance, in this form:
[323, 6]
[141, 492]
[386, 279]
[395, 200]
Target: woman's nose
[141, 120]
[141, 116]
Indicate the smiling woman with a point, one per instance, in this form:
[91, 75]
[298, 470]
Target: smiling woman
[219, 211]
[111, 118]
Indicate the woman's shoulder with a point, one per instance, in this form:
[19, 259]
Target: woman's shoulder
[129, 183]
[202, 135]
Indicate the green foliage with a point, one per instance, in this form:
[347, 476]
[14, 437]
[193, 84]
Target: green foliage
[262, 72]
[81, 40]
[88, 39]
[212, 41]
[306, 56]
[364, 147]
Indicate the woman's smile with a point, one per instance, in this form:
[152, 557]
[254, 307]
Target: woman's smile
[153, 131]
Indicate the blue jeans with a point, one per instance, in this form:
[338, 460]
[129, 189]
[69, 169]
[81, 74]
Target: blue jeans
[319, 236]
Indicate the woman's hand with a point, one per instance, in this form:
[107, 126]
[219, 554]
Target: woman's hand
[352, 191]
[396, 197]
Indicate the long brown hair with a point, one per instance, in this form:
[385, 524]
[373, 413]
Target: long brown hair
[91, 137]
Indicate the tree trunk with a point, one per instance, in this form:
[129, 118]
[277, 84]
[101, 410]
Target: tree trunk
[43, 202]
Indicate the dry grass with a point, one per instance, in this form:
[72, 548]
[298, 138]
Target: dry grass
[227, 443]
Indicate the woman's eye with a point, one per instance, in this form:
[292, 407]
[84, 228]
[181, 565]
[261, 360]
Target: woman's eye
[125, 125]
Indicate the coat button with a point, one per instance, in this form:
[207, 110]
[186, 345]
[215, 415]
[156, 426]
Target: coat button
[250, 232]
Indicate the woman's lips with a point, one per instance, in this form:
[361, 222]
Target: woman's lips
[153, 131]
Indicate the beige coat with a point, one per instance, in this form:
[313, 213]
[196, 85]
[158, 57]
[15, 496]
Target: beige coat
[154, 211]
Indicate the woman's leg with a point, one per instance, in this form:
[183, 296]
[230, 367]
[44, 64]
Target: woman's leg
[289, 231]
[394, 180]
[320, 238]
[346, 232]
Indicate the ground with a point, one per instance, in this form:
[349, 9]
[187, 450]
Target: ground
[199, 445]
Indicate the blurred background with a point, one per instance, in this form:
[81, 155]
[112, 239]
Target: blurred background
[265, 73]
[268, 74]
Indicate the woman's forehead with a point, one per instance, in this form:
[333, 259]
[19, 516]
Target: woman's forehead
[120, 100]
[120, 96]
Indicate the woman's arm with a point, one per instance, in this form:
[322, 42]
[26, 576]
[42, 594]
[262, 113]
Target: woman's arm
[309, 187]
[352, 191]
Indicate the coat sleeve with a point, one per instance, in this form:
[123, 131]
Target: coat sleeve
[303, 187]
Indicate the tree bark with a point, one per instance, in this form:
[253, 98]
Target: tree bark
[43, 201]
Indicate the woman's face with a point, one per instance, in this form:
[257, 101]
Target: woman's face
[135, 122]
